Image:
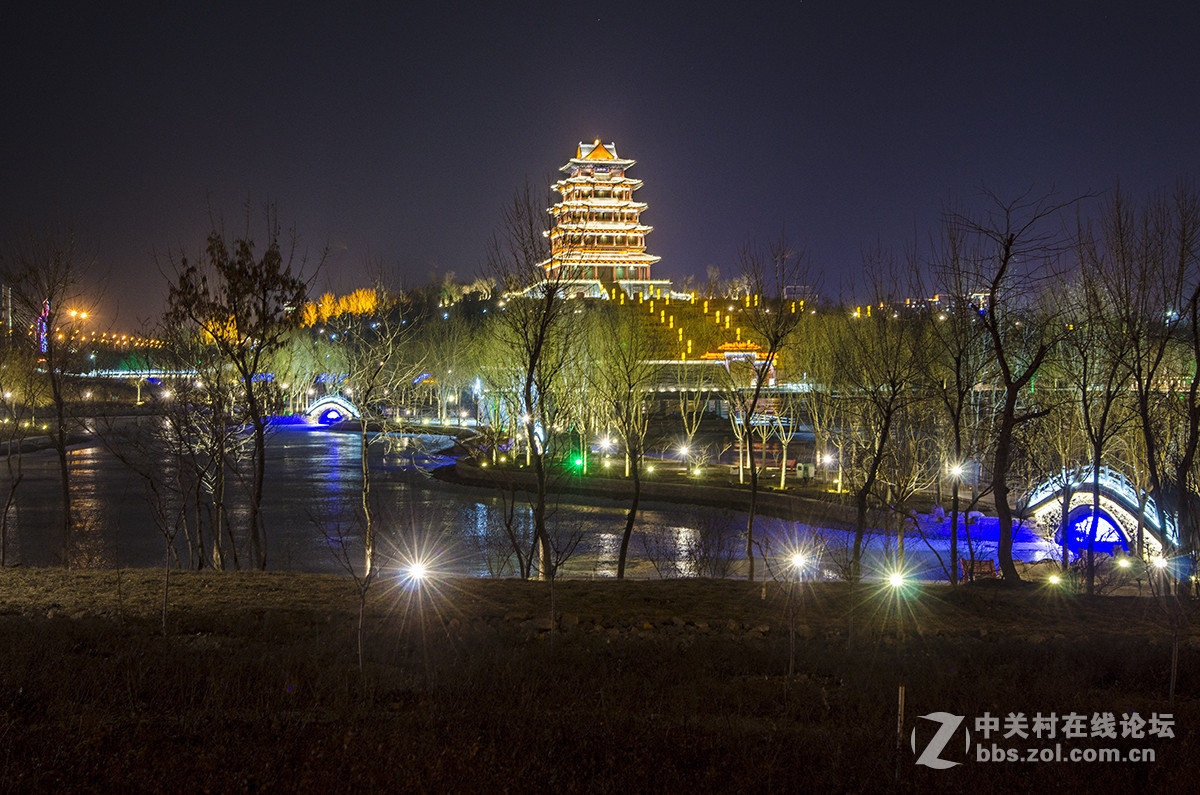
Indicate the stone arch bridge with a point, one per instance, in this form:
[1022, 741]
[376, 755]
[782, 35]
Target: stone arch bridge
[1124, 511]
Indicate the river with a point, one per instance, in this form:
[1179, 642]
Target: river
[313, 498]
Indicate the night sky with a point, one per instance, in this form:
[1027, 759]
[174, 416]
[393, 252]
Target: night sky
[395, 132]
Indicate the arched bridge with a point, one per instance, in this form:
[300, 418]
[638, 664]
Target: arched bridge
[1121, 503]
[332, 408]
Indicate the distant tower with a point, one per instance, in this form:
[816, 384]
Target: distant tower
[598, 237]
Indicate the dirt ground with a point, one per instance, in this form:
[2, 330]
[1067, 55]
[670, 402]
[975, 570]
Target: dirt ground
[583, 686]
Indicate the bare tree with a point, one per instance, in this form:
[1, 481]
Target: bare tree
[880, 360]
[814, 357]
[911, 466]
[1155, 252]
[1059, 447]
[20, 388]
[245, 304]
[374, 351]
[536, 326]
[958, 364]
[450, 351]
[785, 422]
[1096, 362]
[695, 391]
[771, 320]
[46, 273]
[1016, 258]
[623, 372]
[200, 436]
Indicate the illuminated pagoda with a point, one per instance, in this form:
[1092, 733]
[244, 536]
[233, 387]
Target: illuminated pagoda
[598, 237]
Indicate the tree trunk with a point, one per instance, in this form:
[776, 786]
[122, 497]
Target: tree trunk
[368, 524]
[258, 539]
[783, 466]
[954, 565]
[1064, 523]
[630, 518]
[1092, 529]
[1000, 486]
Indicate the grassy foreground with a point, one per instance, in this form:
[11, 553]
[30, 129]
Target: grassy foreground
[469, 685]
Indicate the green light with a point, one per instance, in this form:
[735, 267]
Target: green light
[578, 462]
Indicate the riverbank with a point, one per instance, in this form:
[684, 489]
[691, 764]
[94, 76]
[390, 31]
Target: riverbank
[502, 685]
[830, 513]
[36, 444]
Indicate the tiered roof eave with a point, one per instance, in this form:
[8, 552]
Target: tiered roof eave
[601, 226]
[581, 179]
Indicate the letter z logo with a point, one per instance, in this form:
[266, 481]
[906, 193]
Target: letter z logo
[931, 756]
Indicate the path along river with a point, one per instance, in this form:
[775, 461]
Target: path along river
[313, 491]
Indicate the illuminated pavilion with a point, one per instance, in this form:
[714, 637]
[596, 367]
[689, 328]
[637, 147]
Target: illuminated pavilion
[598, 237]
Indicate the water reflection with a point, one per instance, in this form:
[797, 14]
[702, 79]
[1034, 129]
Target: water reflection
[315, 523]
[92, 541]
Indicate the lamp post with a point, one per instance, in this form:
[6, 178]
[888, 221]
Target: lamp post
[956, 472]
[827, 461]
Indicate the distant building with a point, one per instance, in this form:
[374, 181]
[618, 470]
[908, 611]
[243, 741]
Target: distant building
[598, 239]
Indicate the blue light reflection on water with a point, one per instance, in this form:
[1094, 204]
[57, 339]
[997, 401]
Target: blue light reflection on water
[313, 504]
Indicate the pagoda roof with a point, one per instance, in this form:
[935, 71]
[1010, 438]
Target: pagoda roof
[603, 226]
[583, 180]
[597, 204]
[736, 350]
[595, 256]
[602, 204]
[596, 152]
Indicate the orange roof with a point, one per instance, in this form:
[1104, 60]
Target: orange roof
[597, 151]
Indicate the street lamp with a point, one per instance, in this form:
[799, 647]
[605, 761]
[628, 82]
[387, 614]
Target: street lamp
[828, 460]
[414, 573]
